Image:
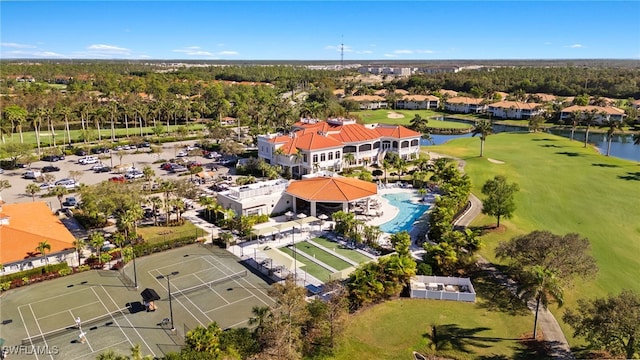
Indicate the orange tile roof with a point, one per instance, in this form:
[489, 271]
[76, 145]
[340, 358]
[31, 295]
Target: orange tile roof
[515, 105]
[420, 98]
[365, 98]
[464, 100]
[307, 139]
[609, 109]
[331, 189]
[398, 132]
[30, 224]
[448, 92]
[354, 133]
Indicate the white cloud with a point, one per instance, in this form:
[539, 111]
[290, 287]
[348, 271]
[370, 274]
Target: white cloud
[364, 52]
[16, 45]
[426, 51]
[193, 51]
[575, 46]
[31, 54]
[228, 53]
[111, 49]
[390, 55]
[403, 51]
[339, 48]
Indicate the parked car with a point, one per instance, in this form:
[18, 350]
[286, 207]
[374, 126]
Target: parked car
[178, 168]
[134, 174]
[46, 186]
[97, 166]
[47, 169]
[70, 201]
[81, 152]
[100, 150]
[118, 179]
[52, 158]
[67, 183]
[103, 169]
[88, 160]
[32, 174]
[182, 154]
[166, 166]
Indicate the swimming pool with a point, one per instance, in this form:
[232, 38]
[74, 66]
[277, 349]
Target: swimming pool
[408, 213]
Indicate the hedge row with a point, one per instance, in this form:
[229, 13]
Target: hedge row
[34, 272]
[148, 249]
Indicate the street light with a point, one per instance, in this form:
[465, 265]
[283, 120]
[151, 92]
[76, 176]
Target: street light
[173, 328]
[295, 261]
[135, 273]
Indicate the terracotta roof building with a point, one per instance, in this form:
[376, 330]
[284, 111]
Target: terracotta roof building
[514, 109]
[369, 102]
[415, 102]
[462, 104]
[314, 145]
[23, 227]
[602, 113]
[329, 194]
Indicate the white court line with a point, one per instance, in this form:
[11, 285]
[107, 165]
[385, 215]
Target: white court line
[126, 318]
[174, 264]
[246, 281]
[160, 283]
[100, 350]
[57, 296]
[64, 311]
[80, 329]
[238, 323]
[35, 353]
[112, 317]
[211, 288]
[39, 329]
[231, 303]
[197, 307]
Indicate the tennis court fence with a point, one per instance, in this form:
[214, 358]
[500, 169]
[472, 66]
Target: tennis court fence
[210, 284]
[102, 320]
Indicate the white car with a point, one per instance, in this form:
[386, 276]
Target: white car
[88, 160]
[67, 183]
[97, 166]
[46, 186]
[182, 154]
[134, 174]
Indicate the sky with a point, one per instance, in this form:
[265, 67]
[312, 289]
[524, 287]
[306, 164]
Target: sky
[315, 30]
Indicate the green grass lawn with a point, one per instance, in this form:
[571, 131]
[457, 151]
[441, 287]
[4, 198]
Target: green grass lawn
[322, 255]
[156, 234]
[339, 249]
[564, 188]
[47, 140]
[310, 267]
[392, 330]
[381, 116]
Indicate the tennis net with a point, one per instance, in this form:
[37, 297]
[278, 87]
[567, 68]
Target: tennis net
[210, 284]
[101, 320]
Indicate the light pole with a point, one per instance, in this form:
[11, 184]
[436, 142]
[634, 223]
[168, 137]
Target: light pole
[295, 260]
[135, 273]
[167, 276]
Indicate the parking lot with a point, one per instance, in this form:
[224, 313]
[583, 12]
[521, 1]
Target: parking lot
[138, 158]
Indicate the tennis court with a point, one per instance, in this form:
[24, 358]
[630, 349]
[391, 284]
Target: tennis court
[208, 285]
[209, 289]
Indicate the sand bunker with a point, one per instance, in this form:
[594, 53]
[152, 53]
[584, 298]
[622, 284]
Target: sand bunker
[394, 115]
[495, 161]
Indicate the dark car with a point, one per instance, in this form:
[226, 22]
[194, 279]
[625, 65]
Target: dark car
[47, 169]
[100, 150]
[166, 166]
[103, 169]
[118, 179]
[70, 201]
[52, 158]
[81, 152]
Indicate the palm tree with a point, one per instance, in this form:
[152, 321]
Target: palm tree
[60, 192]
[65, 111]
[400, 165]
[16, 115]
[208, 203]
[419, 124]
[297, 159]
[613, 126]
[96, 239]
[575, 120]
[261, 315]
[349, 158]
[42, 248]
[36, 121]
[79, 244]
[32, 189]
[484, 129]
[148, 173]
[386, 166]
[156, 204]
[541, 285]
[589, 119]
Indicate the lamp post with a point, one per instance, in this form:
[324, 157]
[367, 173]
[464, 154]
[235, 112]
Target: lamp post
[295, 254]
[167, 276]
[135, 273]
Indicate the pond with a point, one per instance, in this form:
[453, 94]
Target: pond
[621, 144]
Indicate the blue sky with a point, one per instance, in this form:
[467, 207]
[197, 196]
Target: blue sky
[313, 30]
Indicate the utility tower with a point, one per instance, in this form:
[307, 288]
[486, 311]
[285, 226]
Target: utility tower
[342, 54]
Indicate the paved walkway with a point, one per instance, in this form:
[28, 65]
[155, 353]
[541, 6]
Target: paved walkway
[554, 337]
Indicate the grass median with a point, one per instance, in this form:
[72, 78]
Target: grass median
[339, 249]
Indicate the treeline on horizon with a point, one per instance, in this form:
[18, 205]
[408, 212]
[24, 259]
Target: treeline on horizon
[109, 76]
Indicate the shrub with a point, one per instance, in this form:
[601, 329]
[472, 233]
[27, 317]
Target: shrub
[65, 272]
[34, 272]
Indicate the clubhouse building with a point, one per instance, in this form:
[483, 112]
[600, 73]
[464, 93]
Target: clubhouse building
[314, 145]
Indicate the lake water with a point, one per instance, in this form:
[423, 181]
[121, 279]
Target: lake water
[621, 145]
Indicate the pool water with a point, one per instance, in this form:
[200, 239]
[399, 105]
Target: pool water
[408, 213]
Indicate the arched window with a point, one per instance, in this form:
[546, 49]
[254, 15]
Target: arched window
[405, 144]
[365, 147]
[414, 142]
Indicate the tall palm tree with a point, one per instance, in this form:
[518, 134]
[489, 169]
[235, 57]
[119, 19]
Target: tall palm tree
[386, 166]
[589, 119]
[6, 127]
[400, 165]
[113, 111]
[541, 285]
[349, 158]
[483, 128]
[208, 203]
[36, 121]
[42, 248]
[17, 115]
[575, 120]
[65, 111]
[156, 204]
[297, 159]
[59, 192]
[79, 244]
[96, 239]
[613, 126]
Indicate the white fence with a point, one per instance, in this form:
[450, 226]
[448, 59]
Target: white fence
[442, 288]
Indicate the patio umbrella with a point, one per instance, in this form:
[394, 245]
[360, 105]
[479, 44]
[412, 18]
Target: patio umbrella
[323, 217]
[301, 216]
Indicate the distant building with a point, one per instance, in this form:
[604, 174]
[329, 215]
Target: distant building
[514, 110]
[603, 114]
[418, 102]
[256, 199]
[465, 105]
[23, 227]
[369, 102]
[442, 288]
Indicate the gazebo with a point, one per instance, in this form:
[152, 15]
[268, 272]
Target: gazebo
[330, 194]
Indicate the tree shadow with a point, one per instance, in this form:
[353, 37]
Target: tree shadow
[531, 349]
[552, 146]
[605, 165]
[545, 139]
[453, 337]
[631, 176]
[569, 153]
[493, 293]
